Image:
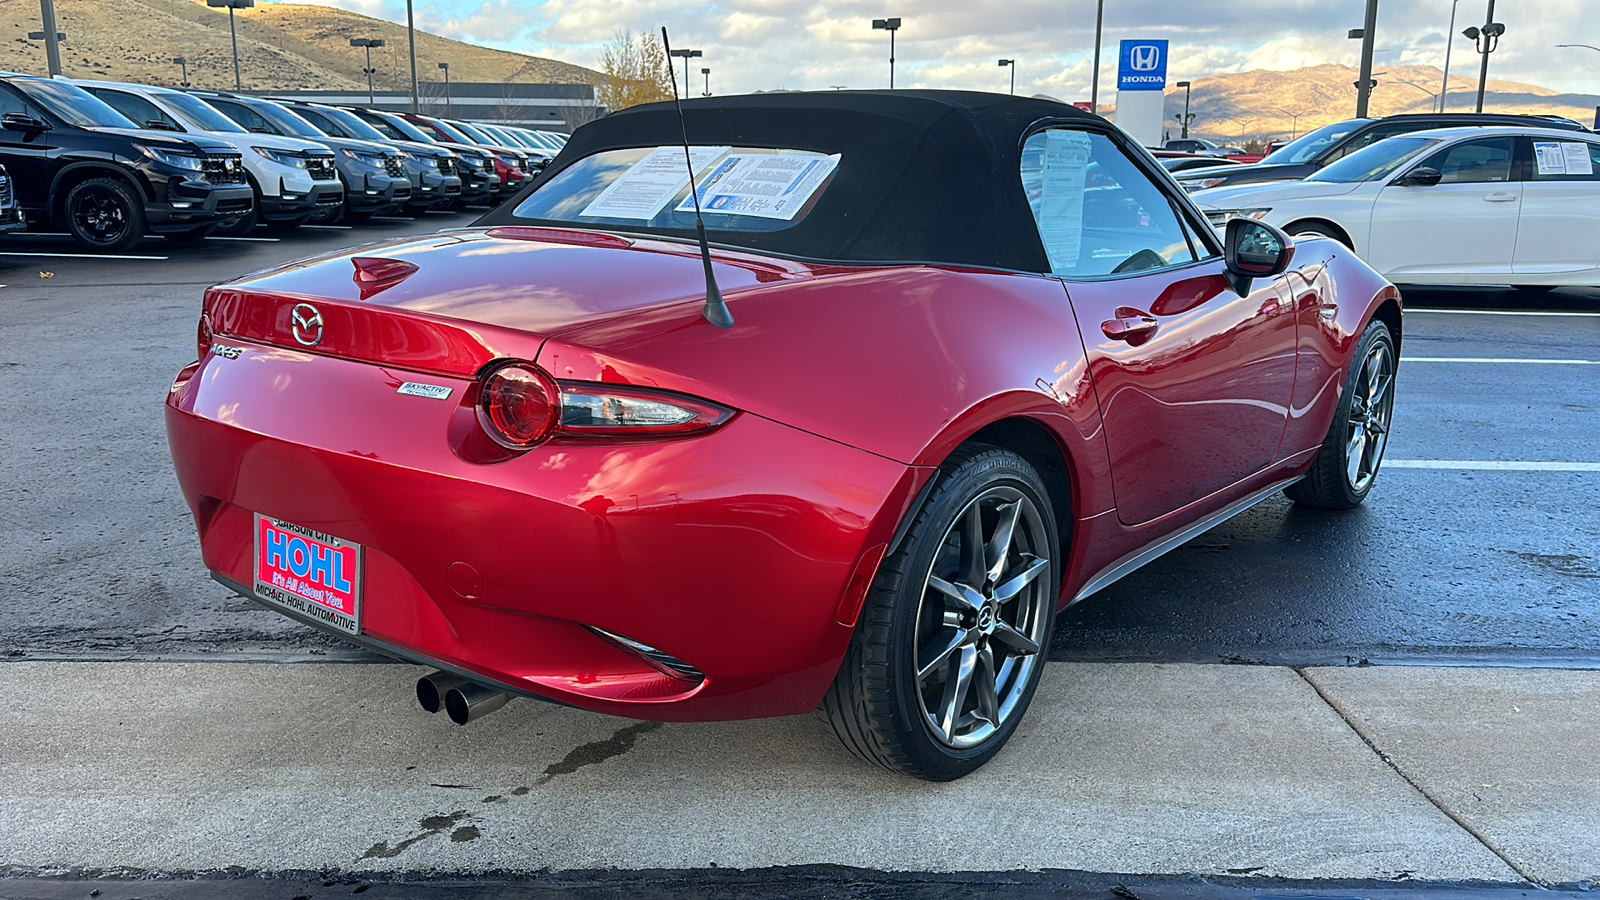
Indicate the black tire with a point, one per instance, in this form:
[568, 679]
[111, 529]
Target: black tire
[192, 236]
[1330, 483]
[105, 215]
[879, 703]
[287, 224]
[238, 226]
[1317, 228]
[1535, 288]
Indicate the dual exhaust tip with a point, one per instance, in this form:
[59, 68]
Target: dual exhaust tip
[463, 700]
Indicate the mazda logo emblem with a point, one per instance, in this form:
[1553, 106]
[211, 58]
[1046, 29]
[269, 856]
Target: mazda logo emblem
[305, 321]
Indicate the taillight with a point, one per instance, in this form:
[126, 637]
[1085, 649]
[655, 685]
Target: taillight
[202, 337]
[519, 405]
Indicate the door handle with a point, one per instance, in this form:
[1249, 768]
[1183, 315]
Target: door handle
[1500, 197]
[1131, 325]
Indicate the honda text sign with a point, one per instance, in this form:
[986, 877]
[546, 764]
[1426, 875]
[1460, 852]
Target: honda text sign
[1143, 66]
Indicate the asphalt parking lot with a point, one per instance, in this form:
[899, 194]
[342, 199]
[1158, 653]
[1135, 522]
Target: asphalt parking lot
[1304, 696]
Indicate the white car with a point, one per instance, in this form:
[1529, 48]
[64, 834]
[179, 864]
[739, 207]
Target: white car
[293, 178]
[1496, 205]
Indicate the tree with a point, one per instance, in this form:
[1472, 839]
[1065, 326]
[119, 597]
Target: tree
[633, 71]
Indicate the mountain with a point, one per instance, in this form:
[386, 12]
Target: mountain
[1264, 105]
[281, 46]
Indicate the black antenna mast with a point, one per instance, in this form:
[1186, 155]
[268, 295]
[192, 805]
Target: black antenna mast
[716, 310]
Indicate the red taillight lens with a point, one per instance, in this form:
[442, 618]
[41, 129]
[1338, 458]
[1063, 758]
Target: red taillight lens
[202, 337]
[519, 405]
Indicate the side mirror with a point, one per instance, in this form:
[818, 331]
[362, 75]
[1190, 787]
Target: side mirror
[159, 125]
[1254, 250]
[1422, 176]
[22, 122]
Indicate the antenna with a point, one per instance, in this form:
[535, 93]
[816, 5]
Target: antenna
[716, 310]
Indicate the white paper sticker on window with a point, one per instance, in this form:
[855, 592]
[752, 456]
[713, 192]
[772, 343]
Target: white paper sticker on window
[1576, 156]
[1065, 169]
[649, 185]
[1550, 159]
[769, 186]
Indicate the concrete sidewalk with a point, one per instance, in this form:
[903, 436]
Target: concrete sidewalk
[1392, 774]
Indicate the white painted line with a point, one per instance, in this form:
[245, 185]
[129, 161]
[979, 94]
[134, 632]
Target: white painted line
[219, 237]
[85, 255]
[1500, 360]
[1491, 465]
[336, 227]
[1501, 312]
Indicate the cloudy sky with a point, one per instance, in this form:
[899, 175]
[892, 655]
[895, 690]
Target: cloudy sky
[806, 44]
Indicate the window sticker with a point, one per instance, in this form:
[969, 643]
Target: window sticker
[775, 186]
[1576, 157]
[1066, 168]
[1550, 159]
[651, 183]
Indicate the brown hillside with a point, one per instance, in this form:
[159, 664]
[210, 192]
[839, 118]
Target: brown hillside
[1263, 104]
[287, 46]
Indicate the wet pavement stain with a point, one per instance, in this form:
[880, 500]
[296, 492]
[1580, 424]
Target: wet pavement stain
[463, 834]
[595, 752]
[1564, 563]
[431, 826]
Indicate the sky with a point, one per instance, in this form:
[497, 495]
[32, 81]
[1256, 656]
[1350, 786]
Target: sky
[754, 45]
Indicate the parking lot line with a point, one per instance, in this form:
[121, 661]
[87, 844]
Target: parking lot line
[223, 237]
[338, 227]
[1491, 465]
[1500, 360]
[81, 255]
[1503, 312]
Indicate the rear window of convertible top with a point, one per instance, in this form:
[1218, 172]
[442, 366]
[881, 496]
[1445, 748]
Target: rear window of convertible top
[741, 189]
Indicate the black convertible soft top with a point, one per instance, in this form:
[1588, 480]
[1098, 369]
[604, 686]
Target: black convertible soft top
[925, 176]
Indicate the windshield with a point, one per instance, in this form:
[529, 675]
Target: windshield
[1312, 143]
[286, 121]
[73, 104]
[1375, 161]
[476, 136]
[742, 189]
[396, 128]
[352, 123]
[452, 134]
[199, 113]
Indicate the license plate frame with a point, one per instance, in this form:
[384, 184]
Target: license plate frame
[328, 586]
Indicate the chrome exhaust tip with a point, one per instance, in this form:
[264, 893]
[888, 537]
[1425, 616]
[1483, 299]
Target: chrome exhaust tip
[432, 687]
[467, 702]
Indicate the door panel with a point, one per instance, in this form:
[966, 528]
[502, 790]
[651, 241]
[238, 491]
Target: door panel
[1559, 230]
[1199, 404]
[1463, 228]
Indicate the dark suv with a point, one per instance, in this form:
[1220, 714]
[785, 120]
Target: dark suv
[81, 166]
[1316, 149]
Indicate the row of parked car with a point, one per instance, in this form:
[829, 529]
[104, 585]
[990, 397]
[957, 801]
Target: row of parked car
[1453, 198]
[109, 163]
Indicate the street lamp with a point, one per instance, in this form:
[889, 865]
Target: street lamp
[368, 44]
[184, 62]
[1485, 39]
[707, 74]
[1294, 120]
[1094, 77]
[1013, 64]
[891, 26]
[1187, 116]
[1420, 88]
[1449, 38]
[686, 55]
[231, 5]
[51, 37]
[447, 106]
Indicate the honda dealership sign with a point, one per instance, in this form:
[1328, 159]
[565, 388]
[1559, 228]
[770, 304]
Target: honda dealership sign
[1141, 83]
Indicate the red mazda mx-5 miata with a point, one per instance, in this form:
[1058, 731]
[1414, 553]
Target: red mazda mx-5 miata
[979, 357]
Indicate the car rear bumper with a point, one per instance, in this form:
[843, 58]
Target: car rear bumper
[741, 553]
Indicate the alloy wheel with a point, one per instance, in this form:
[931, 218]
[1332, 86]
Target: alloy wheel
[1371, 410]
[101, 216]
[981, 620]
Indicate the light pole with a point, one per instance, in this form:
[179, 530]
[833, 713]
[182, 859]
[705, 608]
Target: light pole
[368, 44]
[707, 74]
[1420, 88]
[411, 37]
[1449, 40]
[1187, 116]
[1368, 35]
[1094, 76]
[1486, 39]
[447, 105]
[51, 37]
[231, 5]
[1294, 120]
[1013, 64]
[686, 55]
[891, 26]
[184, 62]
